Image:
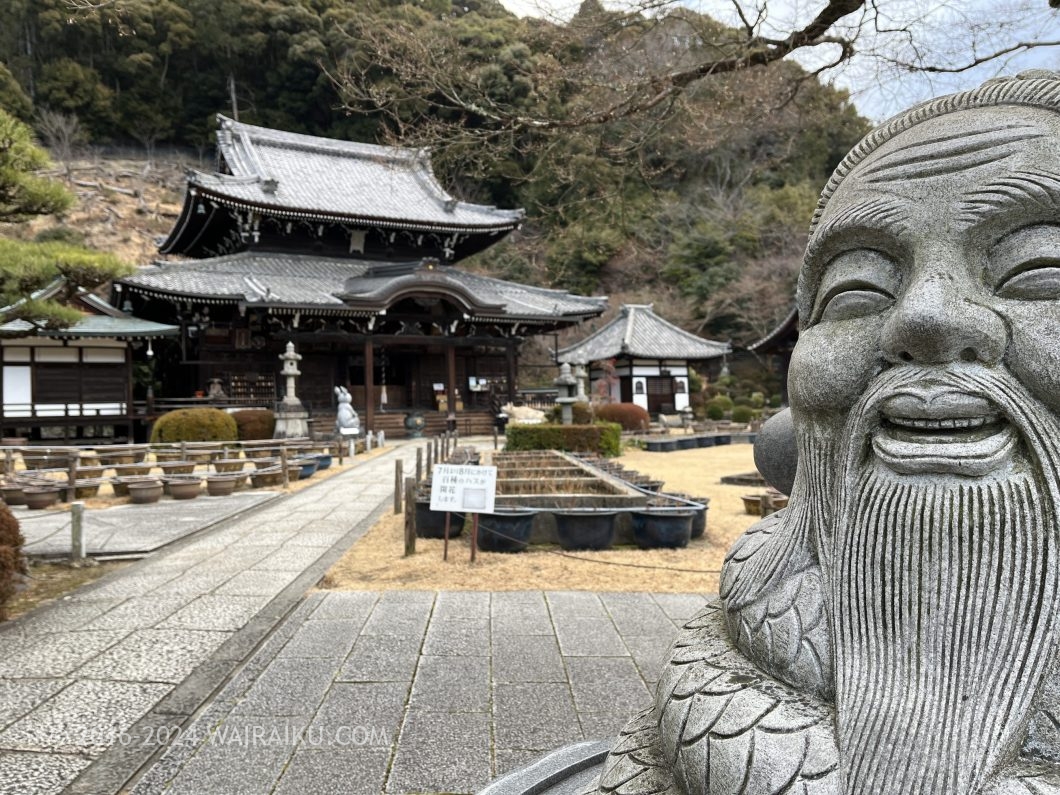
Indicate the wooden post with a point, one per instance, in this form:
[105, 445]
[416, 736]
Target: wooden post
[183, 451]
[494, 435]
[450, 384]
[430, 458]
[71, 476]
[398, 480]
[369, 388]
[340, 446]
[474, 535]
[445, 546]
[77, 531]
[410, 517]
[509, 355]
[283, 464]
[419, 464]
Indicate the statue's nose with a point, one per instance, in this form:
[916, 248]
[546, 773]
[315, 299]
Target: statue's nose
[937, 322]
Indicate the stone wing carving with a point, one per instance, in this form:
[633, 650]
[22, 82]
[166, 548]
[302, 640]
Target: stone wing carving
[773, 593]
[720, 726]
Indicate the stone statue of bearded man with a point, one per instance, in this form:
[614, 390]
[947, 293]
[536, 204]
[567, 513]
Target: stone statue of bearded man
[894, 630]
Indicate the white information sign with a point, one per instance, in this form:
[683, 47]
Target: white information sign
[463, 488]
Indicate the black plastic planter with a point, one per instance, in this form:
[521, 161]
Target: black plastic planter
[722, 440]
[687, 443]
[431, 524]
[665, 527]
[669, 445]
[705, 441]
[585, 529]
[699, 517]
[654, 446]
[505, 532]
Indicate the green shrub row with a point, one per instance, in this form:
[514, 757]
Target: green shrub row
[629, 415]
[254, 423]
[195, 425]
[604, 438]
[12, 564]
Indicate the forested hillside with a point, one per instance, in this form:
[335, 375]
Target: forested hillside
[699, 202]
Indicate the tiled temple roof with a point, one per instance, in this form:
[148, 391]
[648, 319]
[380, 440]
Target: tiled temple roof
[305, 281]
[305, 176]
[637, 332]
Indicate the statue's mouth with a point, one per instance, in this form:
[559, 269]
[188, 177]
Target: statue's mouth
[927, 430]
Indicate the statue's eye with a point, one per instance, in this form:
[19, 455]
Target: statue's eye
[1037, 281]
[846, 303]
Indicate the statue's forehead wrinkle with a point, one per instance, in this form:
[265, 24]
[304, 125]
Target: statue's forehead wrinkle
[945, 154]
[1022, 191]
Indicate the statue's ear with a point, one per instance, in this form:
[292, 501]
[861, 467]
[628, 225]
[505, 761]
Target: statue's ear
[776, 453]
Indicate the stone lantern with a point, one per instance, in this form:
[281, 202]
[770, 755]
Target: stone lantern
[291, 416]
[567, 385]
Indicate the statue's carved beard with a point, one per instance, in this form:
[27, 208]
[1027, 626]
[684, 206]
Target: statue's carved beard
[943, 600]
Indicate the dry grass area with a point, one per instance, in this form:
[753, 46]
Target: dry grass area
[50, 581]
[376, 561]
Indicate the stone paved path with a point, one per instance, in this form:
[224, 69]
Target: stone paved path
[205, 668]
[132, 529]
[76, 678]
[422, 692]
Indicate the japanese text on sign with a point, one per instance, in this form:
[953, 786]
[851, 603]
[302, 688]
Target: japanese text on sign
[464, 489]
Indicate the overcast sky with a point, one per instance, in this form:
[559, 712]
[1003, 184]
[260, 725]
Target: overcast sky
[946, 30]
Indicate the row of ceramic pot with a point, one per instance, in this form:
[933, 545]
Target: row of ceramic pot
[670, 444]
[593, 529]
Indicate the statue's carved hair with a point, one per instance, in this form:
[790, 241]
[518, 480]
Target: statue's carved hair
[1038, 88]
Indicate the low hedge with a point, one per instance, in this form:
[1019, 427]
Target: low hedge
[629, 415]
[604, 438]
[195, 425]
[12, 563]
[254, 423]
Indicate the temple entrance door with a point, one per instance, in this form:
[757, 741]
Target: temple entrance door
[660, 395]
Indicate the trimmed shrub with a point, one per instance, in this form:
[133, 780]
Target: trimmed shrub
[254, 423]
[758, 400]
[715, 411]
[195, 425]
[629, 415]
[581, 412]
[775, 401]
[724, 401]
[12, 564]
[604, 438]
[742, 414]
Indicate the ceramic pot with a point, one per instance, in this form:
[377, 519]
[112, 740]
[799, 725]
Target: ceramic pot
[505, 532]
[266, 478]
[38, 497]
[307, 467]
[588, 529]
[12, 494]
[177, 467]
[86, 489]
[662, 527]
[323, 461]
[221, 485]
[184, 488]
[265, 463]
[145, 491]
[228, 464]
[120, 484]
